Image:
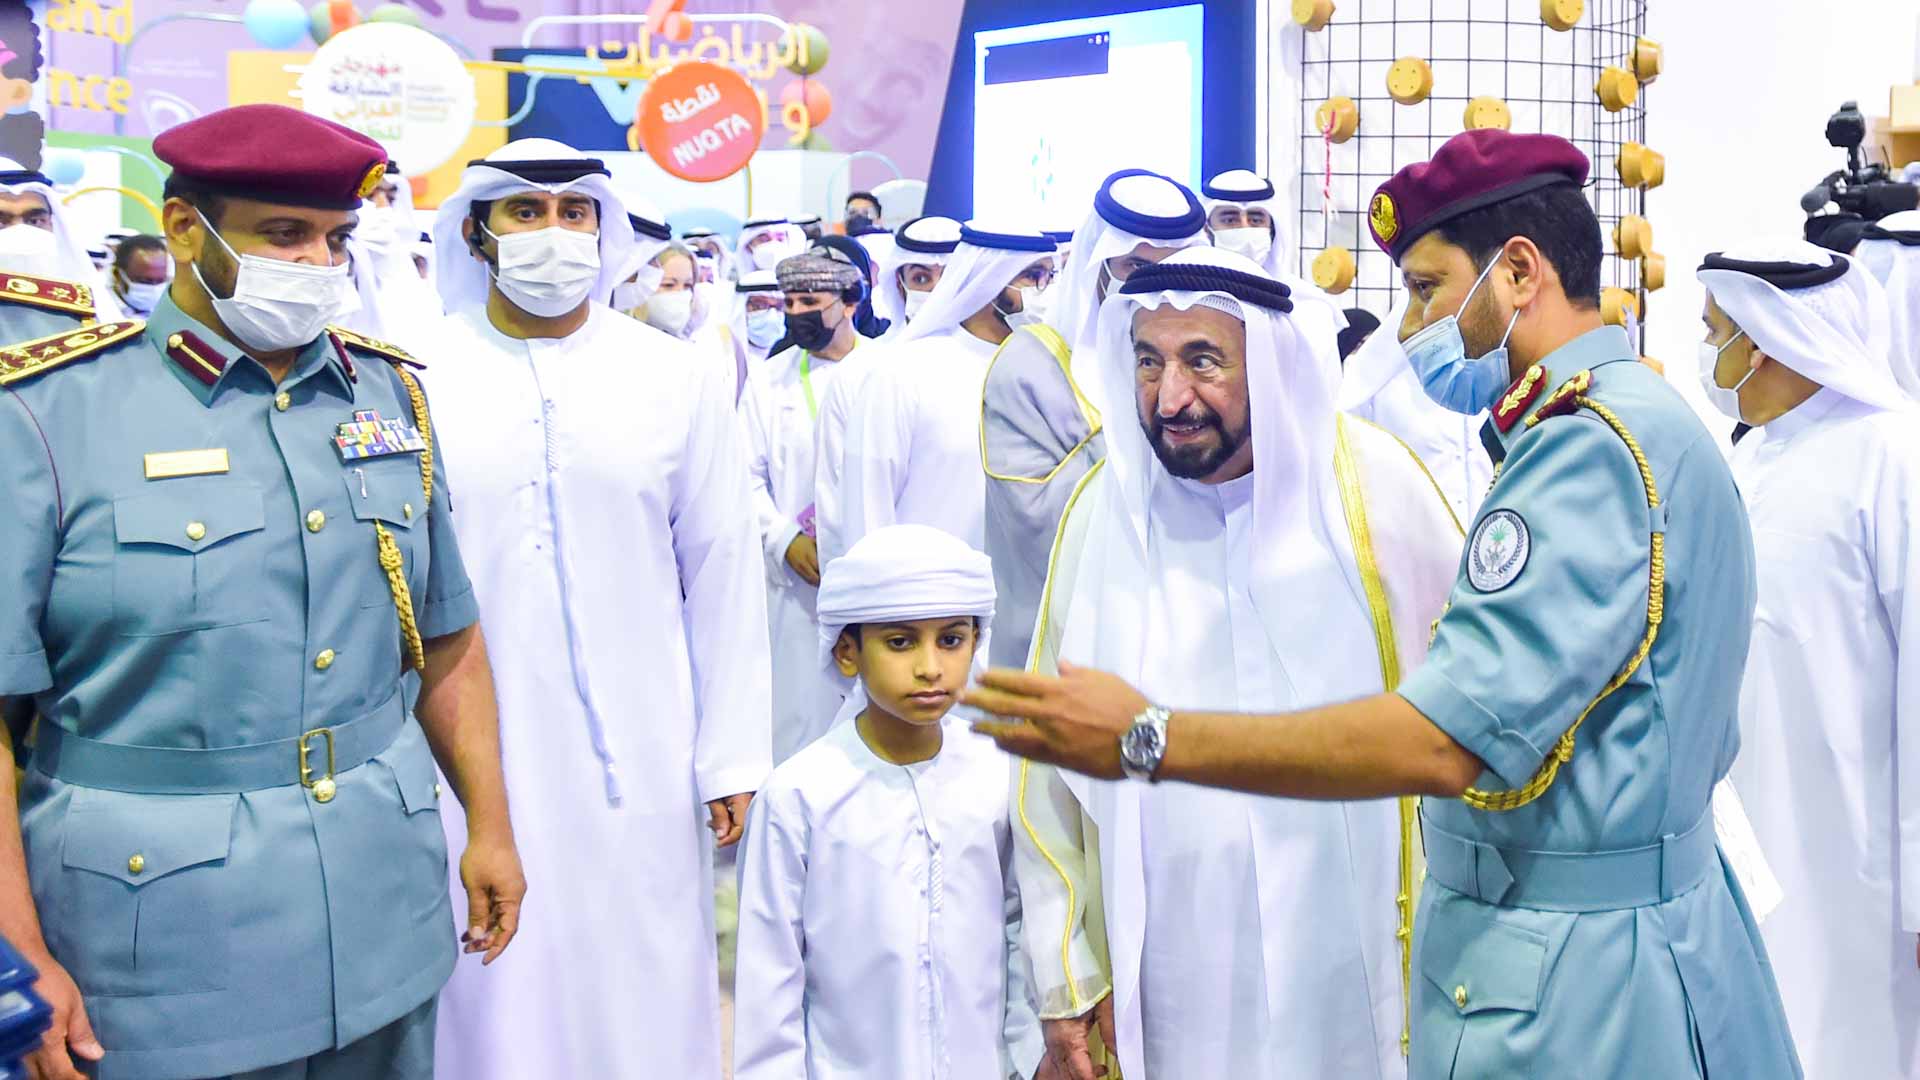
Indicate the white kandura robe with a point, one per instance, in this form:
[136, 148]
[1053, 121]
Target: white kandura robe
[1829, 762]
[604, 514]
[912, 450]
[777, 417]
[830, 444]
[1241, 935]
[1377, 385]
[877, 915]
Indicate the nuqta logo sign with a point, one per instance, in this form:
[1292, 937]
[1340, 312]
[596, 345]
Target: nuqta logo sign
[700, 121]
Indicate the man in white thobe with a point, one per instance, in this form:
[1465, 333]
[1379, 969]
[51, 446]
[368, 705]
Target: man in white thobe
[913, 437]
[777, 415]
[1378, 385]
[1830, 706]
[879, 928]
[1245, 216]
[1039, 432]
[37, 240]
[1890, 249]
[908, 278]
[606, 506]
[1240, 544]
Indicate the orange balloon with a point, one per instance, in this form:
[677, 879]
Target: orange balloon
[811, 94]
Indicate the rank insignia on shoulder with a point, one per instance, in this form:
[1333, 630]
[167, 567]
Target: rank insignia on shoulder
[1565, 400]
[30, 358]
[52, 293]
[369, 436]
[385, 350]
[1513, 404]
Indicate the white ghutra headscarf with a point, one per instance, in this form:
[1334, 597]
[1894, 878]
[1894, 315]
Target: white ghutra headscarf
[982, 265]
[1891, 250]
[520, 166]
[902, 573]
[1818, 312]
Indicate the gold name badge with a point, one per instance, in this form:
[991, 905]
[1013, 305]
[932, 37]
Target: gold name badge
[186, 463]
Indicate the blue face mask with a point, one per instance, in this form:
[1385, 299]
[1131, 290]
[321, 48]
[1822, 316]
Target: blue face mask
[1458, 382]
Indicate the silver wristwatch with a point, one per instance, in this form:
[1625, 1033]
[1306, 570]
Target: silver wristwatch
[1144, 744]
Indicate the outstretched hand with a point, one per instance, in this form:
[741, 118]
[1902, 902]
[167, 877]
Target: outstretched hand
[1073, 720]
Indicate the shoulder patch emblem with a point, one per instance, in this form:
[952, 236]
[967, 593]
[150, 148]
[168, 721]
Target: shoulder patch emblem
[30, 358]
[1564, 401]
[1513, 404]
[385, 350]
[51, 293]
[1498, 551]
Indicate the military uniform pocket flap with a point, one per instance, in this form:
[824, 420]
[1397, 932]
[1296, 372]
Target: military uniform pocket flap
[1481, 963]
[387, 491]
[191, 515]
[142, 838]
[413, 771]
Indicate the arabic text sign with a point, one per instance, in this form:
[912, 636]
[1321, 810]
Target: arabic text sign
[397, 84]
[700, 121]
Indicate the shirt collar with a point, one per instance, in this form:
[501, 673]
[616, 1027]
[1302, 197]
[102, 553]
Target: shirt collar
[1589, 351]
[205, 362]
[1804, 415]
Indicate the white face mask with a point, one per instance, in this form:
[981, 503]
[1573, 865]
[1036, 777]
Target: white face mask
[378, 226]
[916, 301]
[769, 253]
[140, 297]
[765, 327]
[276, 304]
[1253, 241]
[670, 311]
[30, 250]
[547, 272]
[1029, 313]
[1725, 399]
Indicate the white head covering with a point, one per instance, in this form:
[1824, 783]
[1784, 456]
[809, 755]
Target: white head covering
[650, 237]
[909, 248]
[1250, 191]
[1891, 251]
[68, 259]
[1836, 333]
[463, 279]
[1133, 207]
[788, 239]
[1293, 379]
[902, 573]
[983, 264]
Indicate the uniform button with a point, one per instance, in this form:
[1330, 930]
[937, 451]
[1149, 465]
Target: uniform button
[283, 401]
[174, 341]
[407, 509]
[316, 521]
[136, 864]
[196, 531]
[1460, 996]
[323, 661]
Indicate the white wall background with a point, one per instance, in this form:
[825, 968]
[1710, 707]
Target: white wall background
[1740, 114]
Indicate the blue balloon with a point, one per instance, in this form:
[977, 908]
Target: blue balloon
[276, 24]
[63, 167]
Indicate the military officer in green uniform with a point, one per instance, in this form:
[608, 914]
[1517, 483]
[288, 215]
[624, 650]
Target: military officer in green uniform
[1578, 703]
[229, 582]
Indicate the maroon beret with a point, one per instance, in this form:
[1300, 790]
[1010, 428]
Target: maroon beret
[1473, 169]
[275, 154]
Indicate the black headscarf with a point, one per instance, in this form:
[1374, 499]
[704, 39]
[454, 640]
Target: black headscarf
[1360, 323]
[846, 250]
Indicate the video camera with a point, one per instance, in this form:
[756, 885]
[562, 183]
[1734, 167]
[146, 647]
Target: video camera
[1862, 191]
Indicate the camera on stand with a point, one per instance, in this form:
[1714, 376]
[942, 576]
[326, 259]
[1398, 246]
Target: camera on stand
[1844, 205]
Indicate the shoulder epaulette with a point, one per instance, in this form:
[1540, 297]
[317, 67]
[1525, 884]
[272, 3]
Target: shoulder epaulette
[1565, 400]
[50, 293]
[30, 358]
[387, 351]
[1514, 401]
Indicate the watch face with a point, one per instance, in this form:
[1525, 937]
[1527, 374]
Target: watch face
[1142, 745]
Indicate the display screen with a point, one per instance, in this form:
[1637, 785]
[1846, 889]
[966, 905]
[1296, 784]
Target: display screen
[1060, 105]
